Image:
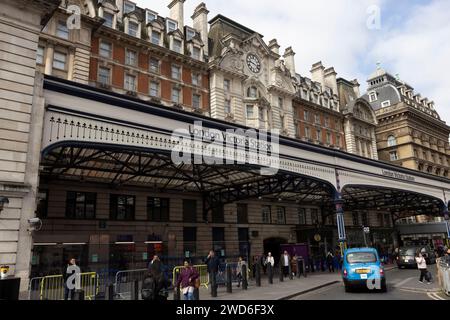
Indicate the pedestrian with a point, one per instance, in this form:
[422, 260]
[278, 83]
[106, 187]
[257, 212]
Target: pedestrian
[263, 263]
[294, 268]
[270, 259]
[285, 261]
[187, 279]
[212, 263]
[69, 288]
[422, 265]
[154, 285]
[446, 257]
[330, 259]
[155, 258]
[239, 274]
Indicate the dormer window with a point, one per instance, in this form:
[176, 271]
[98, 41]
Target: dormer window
[150, 16]
[133, 29]
[196, 53]
[177, 45]
[62, 31]
[386, 103]
[128, 7]
[190, 33]
[156, 37]
[171, 25]
[373, 97]
[109, 18]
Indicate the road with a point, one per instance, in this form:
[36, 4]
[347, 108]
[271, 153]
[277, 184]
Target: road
[399, 284]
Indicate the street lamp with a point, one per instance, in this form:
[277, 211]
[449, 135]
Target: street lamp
[4, 201]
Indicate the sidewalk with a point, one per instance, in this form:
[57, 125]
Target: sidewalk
[277, 291]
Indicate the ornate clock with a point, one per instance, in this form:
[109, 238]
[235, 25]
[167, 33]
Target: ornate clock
[253, 63]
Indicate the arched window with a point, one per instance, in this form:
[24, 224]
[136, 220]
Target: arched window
[392, 141]
[252, 92]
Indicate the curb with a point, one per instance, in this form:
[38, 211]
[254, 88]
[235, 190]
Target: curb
[309, 290]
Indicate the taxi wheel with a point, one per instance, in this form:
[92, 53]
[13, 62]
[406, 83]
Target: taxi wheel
[347, 289]
[383, 287]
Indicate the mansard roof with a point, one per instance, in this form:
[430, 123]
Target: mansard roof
[233, 24]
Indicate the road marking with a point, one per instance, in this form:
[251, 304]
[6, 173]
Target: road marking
[403, 282]
[434, 296]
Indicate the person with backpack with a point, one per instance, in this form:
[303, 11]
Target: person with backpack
[422, 265]
[187, 279]
[154, 286]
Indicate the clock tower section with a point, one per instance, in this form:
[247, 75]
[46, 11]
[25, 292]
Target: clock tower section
[251, 83]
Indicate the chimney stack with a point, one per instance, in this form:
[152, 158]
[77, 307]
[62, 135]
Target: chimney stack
[318, 74]
[289, 60]
[274, 47]
[356, 86]
[330, 79]
[200, 24]
[177, 12]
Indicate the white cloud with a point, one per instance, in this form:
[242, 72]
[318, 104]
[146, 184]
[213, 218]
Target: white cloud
[419, 51]
[413, 40]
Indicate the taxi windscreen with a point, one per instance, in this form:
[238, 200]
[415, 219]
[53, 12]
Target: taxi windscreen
[361, 257]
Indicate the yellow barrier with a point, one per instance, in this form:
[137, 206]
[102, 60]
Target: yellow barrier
[201, 269]
[52, 287]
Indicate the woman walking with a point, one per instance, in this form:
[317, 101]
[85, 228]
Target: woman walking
[422, 265]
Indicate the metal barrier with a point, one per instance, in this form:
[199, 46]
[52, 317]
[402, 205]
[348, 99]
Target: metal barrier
[201, 269]
[125, 280]
[443, 275]
[34, 288]
[52, 287]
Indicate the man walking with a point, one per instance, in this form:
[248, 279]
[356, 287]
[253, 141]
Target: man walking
[212, 263]
[284, 261]
[239, 273]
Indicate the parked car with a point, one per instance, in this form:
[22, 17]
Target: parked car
[406, 256]
[362, 267]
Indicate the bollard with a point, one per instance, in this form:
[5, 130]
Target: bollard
[270, 272]
[258, 275]
[111, 292]
[281, 272]
[244, 277]
[212, 278]
[176, 291]
[229, 283]
[135, 292]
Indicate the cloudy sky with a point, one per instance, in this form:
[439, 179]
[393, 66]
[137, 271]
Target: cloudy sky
[410, 38]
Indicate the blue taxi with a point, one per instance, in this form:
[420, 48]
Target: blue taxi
[362, 267]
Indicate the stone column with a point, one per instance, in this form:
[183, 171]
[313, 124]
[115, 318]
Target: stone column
[49, 59]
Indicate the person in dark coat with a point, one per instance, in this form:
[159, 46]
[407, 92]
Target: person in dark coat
[330, 259]
[154, 286]
[212, 263]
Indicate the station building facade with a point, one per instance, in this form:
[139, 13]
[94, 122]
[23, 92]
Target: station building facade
[114, 209]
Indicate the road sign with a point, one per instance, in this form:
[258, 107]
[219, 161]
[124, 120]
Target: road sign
[366, 230]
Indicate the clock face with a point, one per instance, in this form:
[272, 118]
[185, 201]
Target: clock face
[253, 63]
